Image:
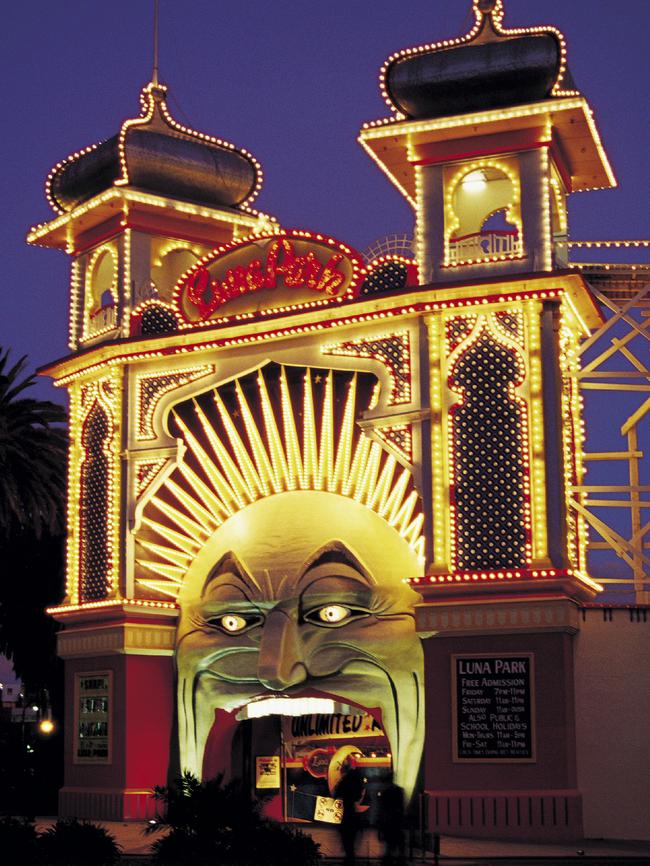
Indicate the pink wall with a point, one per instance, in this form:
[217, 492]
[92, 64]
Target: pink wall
[536, 800]
[555, 766]
[141, 723]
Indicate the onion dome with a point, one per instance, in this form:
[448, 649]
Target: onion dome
[157, 154]
[488, 68]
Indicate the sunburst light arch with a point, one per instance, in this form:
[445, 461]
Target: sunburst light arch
[273, 430]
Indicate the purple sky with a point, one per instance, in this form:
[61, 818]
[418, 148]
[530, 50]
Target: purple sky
[290, 81]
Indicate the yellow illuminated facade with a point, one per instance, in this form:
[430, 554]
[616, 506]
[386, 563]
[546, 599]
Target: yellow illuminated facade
[251, 406]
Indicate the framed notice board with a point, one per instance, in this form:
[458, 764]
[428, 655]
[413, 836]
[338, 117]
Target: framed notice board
[493, 708]
[93, 700]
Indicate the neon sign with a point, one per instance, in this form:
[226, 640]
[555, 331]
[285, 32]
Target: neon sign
[275, 271]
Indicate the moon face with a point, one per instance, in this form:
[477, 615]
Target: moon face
[299, 594]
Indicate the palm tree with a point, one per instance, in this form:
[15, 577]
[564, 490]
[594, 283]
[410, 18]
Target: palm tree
[33, 446]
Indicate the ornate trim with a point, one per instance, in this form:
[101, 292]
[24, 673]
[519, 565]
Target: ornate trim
[124, 639]
[461, 618]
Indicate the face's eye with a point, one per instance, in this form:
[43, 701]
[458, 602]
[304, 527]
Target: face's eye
[333, 614]
[234, 623]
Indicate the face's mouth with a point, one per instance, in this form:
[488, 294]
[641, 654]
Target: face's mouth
[363, 687]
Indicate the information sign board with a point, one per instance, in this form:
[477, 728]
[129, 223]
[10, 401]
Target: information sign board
[92, 717]
[493, 707]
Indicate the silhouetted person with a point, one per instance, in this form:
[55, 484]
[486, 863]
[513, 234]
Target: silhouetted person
[390, 823]
[350, 791]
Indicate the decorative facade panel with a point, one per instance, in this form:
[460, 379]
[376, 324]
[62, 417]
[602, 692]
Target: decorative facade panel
[95, 553]
[488, 442]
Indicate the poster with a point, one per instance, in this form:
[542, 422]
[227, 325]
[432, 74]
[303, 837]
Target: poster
[267, 771]
[93, 707]
[328, 810]
[493, 705]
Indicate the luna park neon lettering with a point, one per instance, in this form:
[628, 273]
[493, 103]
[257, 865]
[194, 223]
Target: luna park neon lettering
[281, 261]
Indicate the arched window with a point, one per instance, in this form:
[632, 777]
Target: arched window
[482, 219]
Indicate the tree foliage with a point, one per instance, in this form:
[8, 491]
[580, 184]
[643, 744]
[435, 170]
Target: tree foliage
[18, 841]
[32, 578]
[67, 843]
[70, 842]
[33, 444]
[210, 823]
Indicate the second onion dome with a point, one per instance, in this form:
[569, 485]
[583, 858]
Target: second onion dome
[157, 154]
[489, 68]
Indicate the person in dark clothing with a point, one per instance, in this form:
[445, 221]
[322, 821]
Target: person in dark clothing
[390, 823]
[350, 791]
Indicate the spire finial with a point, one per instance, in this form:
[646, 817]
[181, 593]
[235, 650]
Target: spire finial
[154, 76]
[491, 8]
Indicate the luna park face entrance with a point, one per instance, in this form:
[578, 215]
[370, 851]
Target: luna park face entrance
[292, 764]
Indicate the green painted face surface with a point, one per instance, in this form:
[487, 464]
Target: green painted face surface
[299, 593]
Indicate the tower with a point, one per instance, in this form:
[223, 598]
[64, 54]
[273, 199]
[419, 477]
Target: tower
[487, 138]
[133, 213]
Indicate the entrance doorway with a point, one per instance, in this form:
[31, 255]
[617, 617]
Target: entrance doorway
[292, 764]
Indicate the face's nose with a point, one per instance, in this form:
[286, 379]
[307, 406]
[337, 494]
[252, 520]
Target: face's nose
[280, 661]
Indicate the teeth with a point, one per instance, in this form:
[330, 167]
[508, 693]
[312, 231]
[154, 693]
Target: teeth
[284, 706]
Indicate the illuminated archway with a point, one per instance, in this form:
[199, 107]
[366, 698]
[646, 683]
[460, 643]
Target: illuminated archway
[278, 510]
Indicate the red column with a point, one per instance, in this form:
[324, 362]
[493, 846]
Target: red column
[125, 656]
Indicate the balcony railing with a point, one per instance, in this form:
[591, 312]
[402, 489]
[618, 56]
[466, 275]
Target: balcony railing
[483, 246]
[103, 320]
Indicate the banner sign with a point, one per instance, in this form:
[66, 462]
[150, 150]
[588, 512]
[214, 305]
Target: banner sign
[268, 273]
[267, 771]
[493, 707]
[334, 726]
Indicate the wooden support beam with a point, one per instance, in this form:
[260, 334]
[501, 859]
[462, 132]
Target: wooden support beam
[609, 488]
[598, 386]
[612, 455]
[613, 374]
[619, 312]
[615, 503]
[634, 419]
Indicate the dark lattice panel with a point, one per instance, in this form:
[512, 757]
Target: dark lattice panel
[158, 319]
[393, 351]
[94, 507]
[459, 328]
[387, 277]
[571, 446]
[488, 428]
[511, 323]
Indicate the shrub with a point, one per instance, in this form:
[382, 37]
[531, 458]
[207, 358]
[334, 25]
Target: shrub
[18, 842]
[78, 843]
[279, 845]
[212, 823]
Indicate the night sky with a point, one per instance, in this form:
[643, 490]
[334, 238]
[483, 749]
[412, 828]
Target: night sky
[290, 81]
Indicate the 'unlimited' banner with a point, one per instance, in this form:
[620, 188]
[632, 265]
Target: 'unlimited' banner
[335, 726]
